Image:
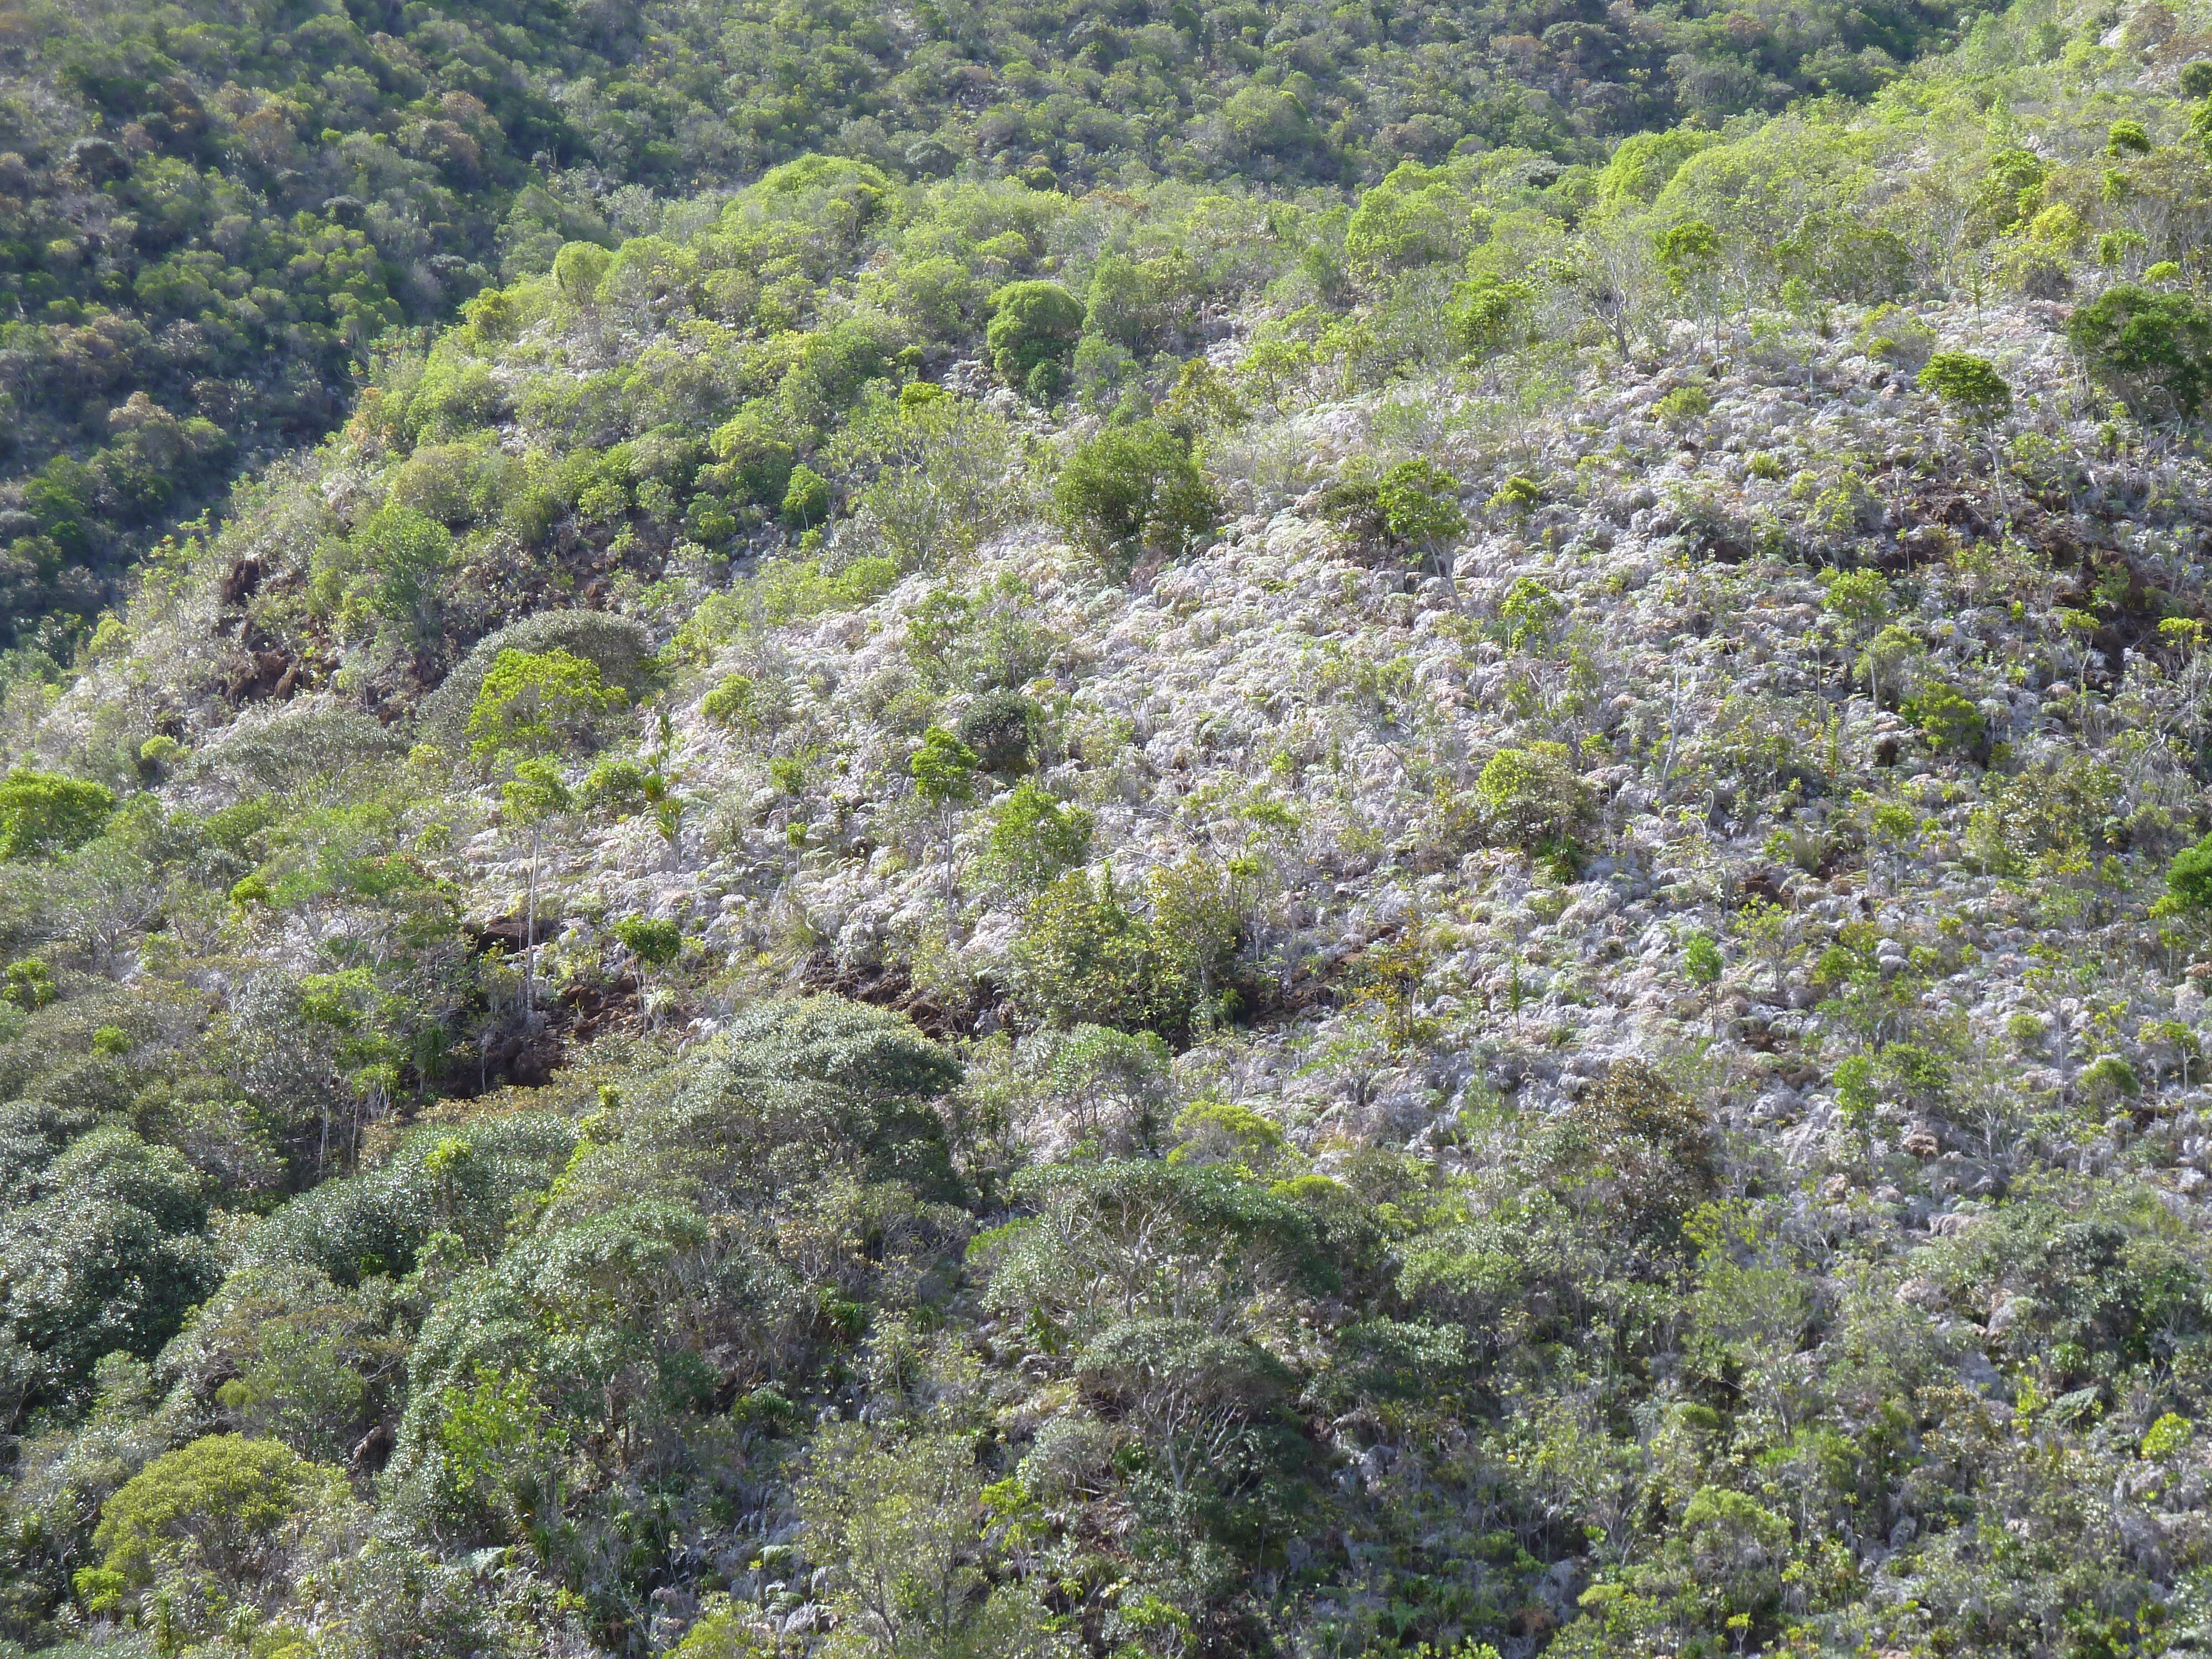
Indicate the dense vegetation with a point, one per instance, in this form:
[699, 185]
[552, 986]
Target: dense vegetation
[208, 212]
[1002, 832]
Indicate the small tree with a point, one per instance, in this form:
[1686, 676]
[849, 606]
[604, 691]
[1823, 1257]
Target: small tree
[46, 812]
[1951, 723]
[1087, 954]
[1204, 401]
[902, 1531]
[1532, 799]
[1977, 397]
[651, 943]
[1419, 504]
[579, 268]
[2155, 348]
[2186, 904]
[1703, 965]
[349, 1016]
[1765, 929]
[224, 1510]
[998, 726]
[533, 704]
[1886, 657]
[1119, 1085]
[1391, 973]
[2189, 880]
[1036, 835]
[1188, 1391]
[805, 498]
[1691, 255]
[1032, 334]
[1970, 387]
[944, 771]
[1860, 601]
[1135, 488]
[407, 554]
[533, 795]
[532, 707]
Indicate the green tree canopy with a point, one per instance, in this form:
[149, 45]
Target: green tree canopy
[46, 812]
[1135, 488]
[1970, 387]
[534, 704]
[1032, 334]
[2155, 346]
[224, 1506]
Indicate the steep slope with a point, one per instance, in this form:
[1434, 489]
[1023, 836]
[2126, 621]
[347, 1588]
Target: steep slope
[210, 213]
[948, 918]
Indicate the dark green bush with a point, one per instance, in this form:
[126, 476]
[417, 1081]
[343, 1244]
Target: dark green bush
[1134, 489]
[458, 1179]
[2156, 348]
[1032, 334]
[998, 727]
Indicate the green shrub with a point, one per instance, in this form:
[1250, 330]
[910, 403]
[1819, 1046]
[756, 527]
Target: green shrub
[1036, 835]
[109, 1255]
[2106, 1080]
[943, 769]
[753, 458]
[1896, 336]
[805, 498]
[654, 943]
[30, 984]
[1089, 953]
[618, 647]
[1487, 316]
[1133, 489]
[45, 812]
[1419, 504]
[579, 268]
[1417, 215]
[2155, 348]
[732, 704]
[997, 726]
[1517, 495]
[404, 556]
[790, 589]
[451, 1178]
[223, 1506]
[1969, 385]
[1032, 335]
[1951, 724]
[1532, 799]
[537, 703]
[2188, 882]
[623, 787]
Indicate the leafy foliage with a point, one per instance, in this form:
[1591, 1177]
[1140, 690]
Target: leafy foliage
[2157, 347]
[42, 812]
[1133, 489]
[807, 939]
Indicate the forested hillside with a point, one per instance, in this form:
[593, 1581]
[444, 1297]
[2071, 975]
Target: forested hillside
[980, 833]
[210, 212]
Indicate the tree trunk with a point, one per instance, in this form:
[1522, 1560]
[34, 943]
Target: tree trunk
[951, 888]
[530, 934]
